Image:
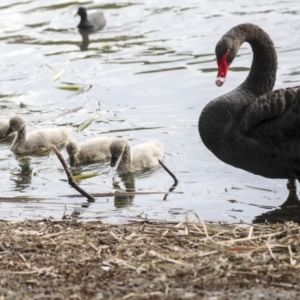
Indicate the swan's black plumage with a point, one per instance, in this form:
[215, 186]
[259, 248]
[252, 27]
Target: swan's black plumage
[253, 127]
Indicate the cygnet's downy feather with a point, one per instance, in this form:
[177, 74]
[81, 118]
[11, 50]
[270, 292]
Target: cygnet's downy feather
[37, 141]
[140, 157]
[93, 150]
[4, 124]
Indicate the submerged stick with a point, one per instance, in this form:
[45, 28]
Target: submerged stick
[170, 173]
[116, 194]
[101, 102]
[172, 188]
[70, 177]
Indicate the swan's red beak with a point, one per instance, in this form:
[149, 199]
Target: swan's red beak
[222, 69]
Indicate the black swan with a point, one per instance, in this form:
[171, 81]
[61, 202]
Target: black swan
[252, 127]
[93, 21]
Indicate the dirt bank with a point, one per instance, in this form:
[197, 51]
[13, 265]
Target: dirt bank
[145, 260]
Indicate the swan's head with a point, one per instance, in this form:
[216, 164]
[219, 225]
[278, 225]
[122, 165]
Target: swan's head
[72, 148]
[82, 12]
[16, 123]
[117, 148]
[226, 50]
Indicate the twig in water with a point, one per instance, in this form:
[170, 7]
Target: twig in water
[170, 173]
[70, 178]
[172, 188]
[115, 194]
[102, 102]
[82, 90]
[64, 215]
[68, 111]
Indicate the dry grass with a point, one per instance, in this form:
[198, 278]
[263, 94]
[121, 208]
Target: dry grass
[190, 260]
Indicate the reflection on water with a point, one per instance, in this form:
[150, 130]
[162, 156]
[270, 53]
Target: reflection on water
[154, 66]
[128, 180]
[123, 201]
[85, 40]
[22, 177]
[288, 211]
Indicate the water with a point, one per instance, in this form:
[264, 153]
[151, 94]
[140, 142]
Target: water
[154, 66]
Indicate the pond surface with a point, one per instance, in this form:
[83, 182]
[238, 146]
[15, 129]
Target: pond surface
[151, 70]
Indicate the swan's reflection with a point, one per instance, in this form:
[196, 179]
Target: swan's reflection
[288, 211]
[128, 181]
[22, 178]
[85, 40]
[125, 183]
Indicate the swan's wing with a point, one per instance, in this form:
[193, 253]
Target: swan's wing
[97, 20]
[275, 115]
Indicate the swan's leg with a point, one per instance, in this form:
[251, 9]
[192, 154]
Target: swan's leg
[291, 185]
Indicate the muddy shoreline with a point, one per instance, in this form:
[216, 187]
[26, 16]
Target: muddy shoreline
[66, 259]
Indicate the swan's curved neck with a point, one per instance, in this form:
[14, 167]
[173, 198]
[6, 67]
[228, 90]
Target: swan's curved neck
[219, 120]
[83, 15]
[124, 165]
[20, 139]
[262, 76]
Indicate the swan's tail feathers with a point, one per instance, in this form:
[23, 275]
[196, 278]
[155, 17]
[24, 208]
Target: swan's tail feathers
[170, 173]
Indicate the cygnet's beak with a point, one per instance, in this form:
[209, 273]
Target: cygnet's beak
[9, 131]
[113, 161]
